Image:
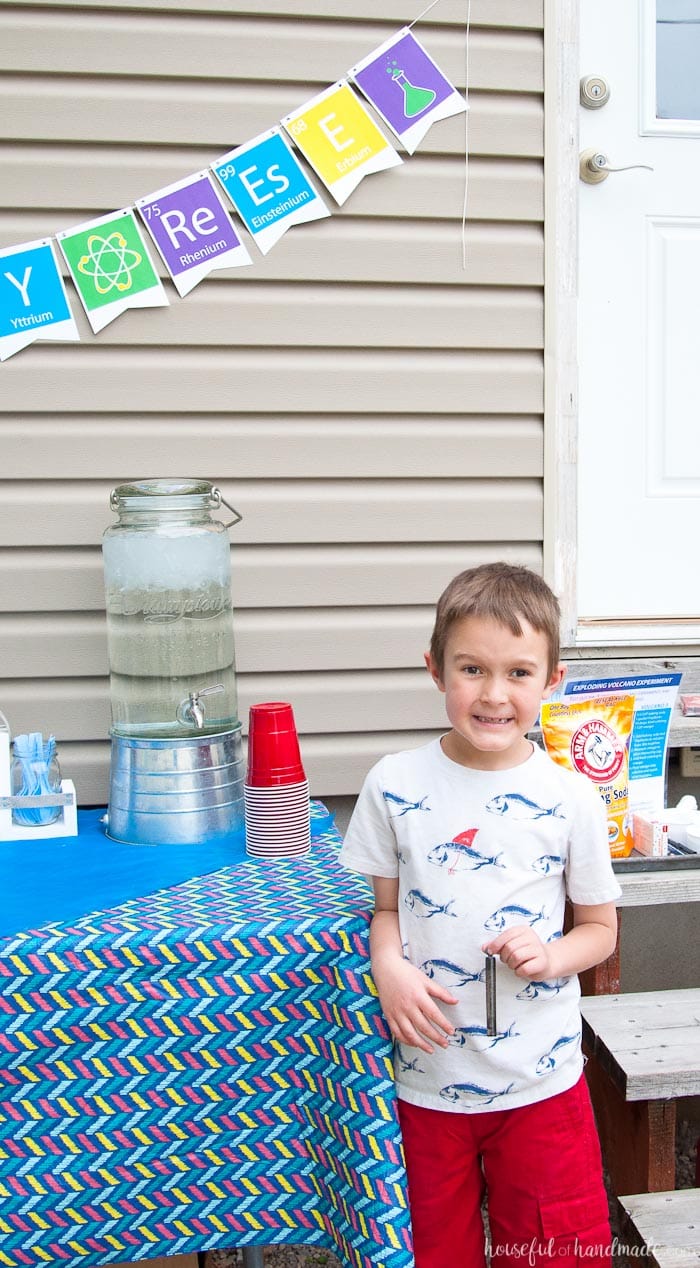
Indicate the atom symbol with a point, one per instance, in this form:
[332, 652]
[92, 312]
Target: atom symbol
[110, 262]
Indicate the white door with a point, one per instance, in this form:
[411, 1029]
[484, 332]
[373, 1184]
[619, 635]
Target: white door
[639, 325]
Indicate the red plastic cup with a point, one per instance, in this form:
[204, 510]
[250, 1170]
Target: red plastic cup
[273, 746]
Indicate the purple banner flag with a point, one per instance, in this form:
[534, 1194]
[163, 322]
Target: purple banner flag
[192, 230]
[406, 88]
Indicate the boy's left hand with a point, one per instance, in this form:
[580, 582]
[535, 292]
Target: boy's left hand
[522, 951]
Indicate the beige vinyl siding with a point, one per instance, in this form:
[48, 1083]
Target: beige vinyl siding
[372, 408]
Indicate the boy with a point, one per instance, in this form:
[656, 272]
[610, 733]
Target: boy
[473, 843]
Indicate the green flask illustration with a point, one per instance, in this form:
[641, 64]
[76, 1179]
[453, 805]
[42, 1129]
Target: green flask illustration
[415, 99]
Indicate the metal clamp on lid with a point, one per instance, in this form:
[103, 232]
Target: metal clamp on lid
[218, 500]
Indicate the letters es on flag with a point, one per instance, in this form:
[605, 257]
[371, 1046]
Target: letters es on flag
[110, 267]
[339, 138]
[192, 229]
[406, 88]
[269, 188]
[33, 299]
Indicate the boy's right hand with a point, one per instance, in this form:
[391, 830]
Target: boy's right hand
[407, 996]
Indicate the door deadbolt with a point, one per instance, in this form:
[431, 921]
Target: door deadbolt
[594, 91]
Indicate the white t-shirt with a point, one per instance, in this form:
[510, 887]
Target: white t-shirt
[476, 852]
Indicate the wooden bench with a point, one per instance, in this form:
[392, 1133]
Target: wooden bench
[665, 1226]
[643, 1053]
[661, 885]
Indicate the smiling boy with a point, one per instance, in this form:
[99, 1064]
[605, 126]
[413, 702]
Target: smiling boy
[474, 842]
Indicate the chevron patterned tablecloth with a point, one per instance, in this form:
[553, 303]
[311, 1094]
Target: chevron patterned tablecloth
[203, 1066]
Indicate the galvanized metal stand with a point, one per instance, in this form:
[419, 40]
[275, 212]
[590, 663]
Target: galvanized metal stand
[176, 791]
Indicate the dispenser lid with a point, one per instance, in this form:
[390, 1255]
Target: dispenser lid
[169, 494]
[172, 494]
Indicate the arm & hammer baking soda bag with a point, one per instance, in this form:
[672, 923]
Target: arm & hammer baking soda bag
[593, 737]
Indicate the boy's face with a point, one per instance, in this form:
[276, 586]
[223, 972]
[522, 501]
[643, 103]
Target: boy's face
[494, 682]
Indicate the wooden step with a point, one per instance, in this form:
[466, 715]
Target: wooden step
[665, 1225]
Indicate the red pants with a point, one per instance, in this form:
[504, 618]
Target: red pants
[540, 1166]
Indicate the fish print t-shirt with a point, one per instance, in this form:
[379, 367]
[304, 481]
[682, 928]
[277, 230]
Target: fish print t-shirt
[475, 853]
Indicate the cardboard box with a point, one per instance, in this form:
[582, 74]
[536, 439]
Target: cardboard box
[650, 836]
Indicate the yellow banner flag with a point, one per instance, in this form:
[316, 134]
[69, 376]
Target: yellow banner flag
[340, 139]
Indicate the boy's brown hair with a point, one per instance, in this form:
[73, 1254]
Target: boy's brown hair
[505, 593]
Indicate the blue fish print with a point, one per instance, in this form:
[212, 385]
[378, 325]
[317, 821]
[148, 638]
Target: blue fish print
[533, 990]
[478, 1037]
[423, 906]
[519, 807]
[449, 974]
[406, 805]
[408, 1065]
[461, 858]
[469, 1092]
[547, 863]
[549, 1060]
[521, 915]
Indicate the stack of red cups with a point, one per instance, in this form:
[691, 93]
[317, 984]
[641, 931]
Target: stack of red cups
[276, 791]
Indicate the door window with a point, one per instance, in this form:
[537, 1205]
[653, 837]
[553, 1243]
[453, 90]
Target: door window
[677, 59]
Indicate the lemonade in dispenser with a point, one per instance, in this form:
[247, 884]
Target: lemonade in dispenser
[169, 618]
[176, 763]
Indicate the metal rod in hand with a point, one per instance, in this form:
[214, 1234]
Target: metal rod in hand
[490, 976]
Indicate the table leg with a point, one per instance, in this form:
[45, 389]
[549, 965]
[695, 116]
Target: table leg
[638, 1137]
[604, 979]
[253, 1257]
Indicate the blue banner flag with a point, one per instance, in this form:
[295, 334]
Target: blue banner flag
[33, 300]
[269, 188]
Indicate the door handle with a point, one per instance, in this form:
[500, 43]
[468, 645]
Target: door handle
[593, 167]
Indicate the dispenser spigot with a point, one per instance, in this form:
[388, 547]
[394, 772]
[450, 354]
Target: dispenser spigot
[190, 712]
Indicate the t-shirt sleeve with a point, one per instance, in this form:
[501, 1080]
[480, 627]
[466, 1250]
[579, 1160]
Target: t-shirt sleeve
[370, 843]
[589, 875]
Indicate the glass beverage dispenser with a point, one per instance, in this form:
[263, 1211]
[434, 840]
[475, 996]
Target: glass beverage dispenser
[176, 770]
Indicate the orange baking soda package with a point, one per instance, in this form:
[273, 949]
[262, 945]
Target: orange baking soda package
[593, 737]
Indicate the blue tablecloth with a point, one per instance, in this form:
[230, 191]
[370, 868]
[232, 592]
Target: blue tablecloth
[60, 878]
[204, 1065]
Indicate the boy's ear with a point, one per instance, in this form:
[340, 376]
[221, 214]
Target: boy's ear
[433, 671]
[556, 678]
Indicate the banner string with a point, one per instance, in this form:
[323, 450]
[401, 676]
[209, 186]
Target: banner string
[465, 204]
[422, 15]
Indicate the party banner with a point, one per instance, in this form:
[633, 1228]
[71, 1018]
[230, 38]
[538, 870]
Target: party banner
[406, 88]
[269, 188]
[192, 230]
[111, 268]
[33, 300]
[339, 138]
[190, 222]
